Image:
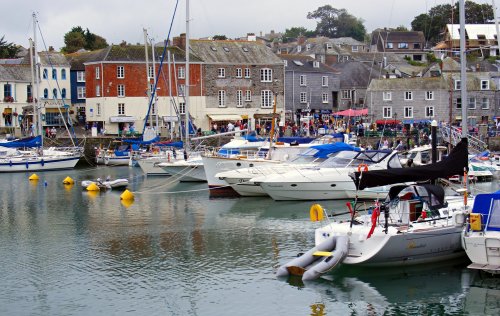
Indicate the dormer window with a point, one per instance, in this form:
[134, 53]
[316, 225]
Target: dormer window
[329, 46]
[308, 47]
[299, 49]
[316, 64]
[458, 86]
[485, 85]
[354, 48]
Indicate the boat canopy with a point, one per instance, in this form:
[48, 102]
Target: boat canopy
[455, 163]
[324, 150]
[432, 194]
[141, 142]
[488, 205]
[28, 142]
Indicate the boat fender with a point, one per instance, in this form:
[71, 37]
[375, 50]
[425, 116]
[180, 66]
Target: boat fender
[27, 165]
[363, 166]
[10, 163]
[375, 215]
[43, 163]
[316, 213]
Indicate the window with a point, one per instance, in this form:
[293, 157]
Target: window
[221, 72]
[303, 97]
[355, 48]
[389, 45]
[63, 93]
[80, 76]
[485, 104]
[29, 92]
[221, 98]
[98, 91]
[322, 59]
[324, 97]
[54, 93]
[472, 103]
[54, 74]
[46, 93]
[239, 73]
[80, 92]
[429, 95]
[266, 99]
[408, 111]
[485, 85]
[387, 95]
[266, 75]
[63, 74]
[120, 72]
[121, 90]
[303, 80]
[121, 108]
[151, 73]
[308, 47]
[429, 111]
[181, 73]
[299, 49]
[182, 107]
[416, 45]
[182, 90]
[387, 112]
[346, 94]
[408, 95]
[45, 74]
[403, 45]
[248, 95]
[98, 110]
[247, 72]
[239, 98]
[7, 90]
[457, 85]
[324, 81]
[97, 72]
[458, 103]
[329, 46]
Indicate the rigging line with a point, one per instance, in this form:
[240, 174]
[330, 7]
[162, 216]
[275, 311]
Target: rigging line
[72, 132]
[153, 94]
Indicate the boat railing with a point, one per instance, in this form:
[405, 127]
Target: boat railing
[453, 135]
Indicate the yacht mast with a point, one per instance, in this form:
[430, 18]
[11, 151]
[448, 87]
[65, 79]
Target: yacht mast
[186, 86]
[463, 79]
[496, 25]
[153, 93]
[37, 123]
[148, 80]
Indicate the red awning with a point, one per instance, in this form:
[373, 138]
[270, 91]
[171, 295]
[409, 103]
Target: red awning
[388, 121]
[351, 112]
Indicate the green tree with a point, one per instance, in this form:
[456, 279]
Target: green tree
[296, 31]
[337, 23]
[8, 50]
[220, 37]
[433, 22]
[402, 28]
[77, 39]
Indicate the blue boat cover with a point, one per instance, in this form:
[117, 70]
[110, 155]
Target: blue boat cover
[141, 142]
[326, 149]
[298, 140]
[29, 142]
[482, 204]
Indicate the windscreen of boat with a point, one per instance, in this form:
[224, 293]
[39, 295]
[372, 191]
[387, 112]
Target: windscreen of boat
[353, 159]
[305, 157]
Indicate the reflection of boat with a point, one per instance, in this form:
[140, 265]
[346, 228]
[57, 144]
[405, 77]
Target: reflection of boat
[107, 184]
[481, 237]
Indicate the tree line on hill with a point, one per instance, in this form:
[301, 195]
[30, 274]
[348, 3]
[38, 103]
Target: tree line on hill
[331, 22]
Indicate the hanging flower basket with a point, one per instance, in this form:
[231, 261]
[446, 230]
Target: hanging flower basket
[71, 112]
[9, 99]
[30, 100]
[15, 114]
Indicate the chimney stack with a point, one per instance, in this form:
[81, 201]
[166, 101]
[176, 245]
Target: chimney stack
[180, 41]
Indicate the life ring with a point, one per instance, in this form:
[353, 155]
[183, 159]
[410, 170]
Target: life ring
[364, 166]
[316, 213]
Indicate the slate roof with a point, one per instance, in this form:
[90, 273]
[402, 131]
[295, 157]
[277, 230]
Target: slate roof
[303, 64]
[355, 74]
[53, 58]
[397, 36]
[15, 73]
[132, 53]
[233, 52]
[429, 83]
[78, 59]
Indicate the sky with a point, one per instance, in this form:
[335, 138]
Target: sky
[118, 20]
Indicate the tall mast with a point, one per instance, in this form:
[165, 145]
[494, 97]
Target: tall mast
[170, 96]
[496, 24]
[148, 86]
[186, 86]
[36, 113]
[463, 73]
[34, 95]
[154, 80]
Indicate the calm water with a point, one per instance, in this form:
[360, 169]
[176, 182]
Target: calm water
[64, 251]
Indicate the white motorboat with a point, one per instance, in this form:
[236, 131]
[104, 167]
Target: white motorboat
[106, 184]
[241, 179]
[421, 155]
[190, 170]
[481, 236]
[331, 179]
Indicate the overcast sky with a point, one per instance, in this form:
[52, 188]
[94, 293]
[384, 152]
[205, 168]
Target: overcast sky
[118, 20]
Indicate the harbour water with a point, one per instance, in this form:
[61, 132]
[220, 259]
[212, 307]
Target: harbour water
[175, 251]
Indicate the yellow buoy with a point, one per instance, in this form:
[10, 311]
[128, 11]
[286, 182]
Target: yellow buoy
[93, 187]
[68, 187]
[127, 195]
[34, 177]
[316, 213]
[68, 180]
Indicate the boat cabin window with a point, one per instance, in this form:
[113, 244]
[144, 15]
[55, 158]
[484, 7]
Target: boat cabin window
[495, 215]
[394, 162]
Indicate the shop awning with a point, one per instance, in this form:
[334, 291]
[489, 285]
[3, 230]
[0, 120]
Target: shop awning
[122, 119]
[351, 112]
[224, 117]
[388, 121]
